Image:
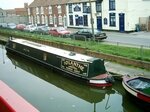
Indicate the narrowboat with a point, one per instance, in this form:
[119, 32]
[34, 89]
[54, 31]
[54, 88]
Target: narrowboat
[87, 68]
[139, 89]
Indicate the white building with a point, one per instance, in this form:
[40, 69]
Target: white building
[79, 14]
[123, 15]
[118, 15]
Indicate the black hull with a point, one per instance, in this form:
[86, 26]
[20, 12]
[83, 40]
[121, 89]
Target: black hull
[48, 66]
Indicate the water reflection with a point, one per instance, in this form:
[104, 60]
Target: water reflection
[62, 94]
[91, 95]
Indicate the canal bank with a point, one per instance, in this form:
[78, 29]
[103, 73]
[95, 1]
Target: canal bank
[118, 70]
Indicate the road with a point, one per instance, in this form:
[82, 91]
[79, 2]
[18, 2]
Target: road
[135, 38]
[141, 38]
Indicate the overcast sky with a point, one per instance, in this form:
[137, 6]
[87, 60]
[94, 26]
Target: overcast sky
[11, 4]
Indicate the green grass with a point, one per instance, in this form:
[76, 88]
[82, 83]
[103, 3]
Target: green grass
[124, 51]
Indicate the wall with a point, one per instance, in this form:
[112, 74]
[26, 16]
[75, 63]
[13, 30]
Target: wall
[14, 19]
[137, 9]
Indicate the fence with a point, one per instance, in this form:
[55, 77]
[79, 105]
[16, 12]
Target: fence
[144, 23]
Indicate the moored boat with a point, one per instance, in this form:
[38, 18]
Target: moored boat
[139, 88]
[87, 68]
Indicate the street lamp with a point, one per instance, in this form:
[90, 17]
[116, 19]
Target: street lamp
[92, 20]
[2, 17]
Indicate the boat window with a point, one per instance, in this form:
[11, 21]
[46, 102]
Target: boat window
[14, 45]
[44, 56]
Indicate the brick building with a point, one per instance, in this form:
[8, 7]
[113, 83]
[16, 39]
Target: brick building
[48, 12]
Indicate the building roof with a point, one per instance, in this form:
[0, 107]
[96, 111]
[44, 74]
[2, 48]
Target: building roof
[78, 1]
[37, 3]
[20, 9]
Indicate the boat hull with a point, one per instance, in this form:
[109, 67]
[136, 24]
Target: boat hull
[140, 98]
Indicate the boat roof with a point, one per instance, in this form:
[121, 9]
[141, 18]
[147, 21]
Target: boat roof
[56, 51]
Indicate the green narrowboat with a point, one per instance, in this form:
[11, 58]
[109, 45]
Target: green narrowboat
[90, 69]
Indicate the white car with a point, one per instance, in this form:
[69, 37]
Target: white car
[30, 28]
[11, 25]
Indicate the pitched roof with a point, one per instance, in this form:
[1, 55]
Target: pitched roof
[57, 2]
[79, 1]
[37, 3]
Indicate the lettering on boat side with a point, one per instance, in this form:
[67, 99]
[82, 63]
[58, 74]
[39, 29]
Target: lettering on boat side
[74, 66]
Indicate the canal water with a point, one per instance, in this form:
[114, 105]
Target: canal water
[50, 91]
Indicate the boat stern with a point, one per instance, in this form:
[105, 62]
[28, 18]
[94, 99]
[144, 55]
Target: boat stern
[103, 80]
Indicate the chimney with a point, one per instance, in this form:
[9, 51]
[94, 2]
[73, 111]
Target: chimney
[25, 5]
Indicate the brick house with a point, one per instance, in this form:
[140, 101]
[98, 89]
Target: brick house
[48, 12]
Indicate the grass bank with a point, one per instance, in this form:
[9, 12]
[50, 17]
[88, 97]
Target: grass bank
[124, 51]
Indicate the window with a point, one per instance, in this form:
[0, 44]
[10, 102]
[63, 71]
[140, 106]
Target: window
[37, 10]
[38, 19]
[98, 7]
[35, 19]
[84, 7]
[59, 9]
[43, 19]
[77, 20]
[70, 8]
[71, 19]
[80, 20]
[44, 56]
[42, 10]
[50, 10]
[111, 4]
[85, 20]
[46, 20]
[14, 45]
[32, 19]
[77, 8]
[50, 19]
[112, 19]
[60, 20]
[105, 21]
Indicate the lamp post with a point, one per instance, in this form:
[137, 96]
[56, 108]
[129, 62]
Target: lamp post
[2, 17]
[92, 20]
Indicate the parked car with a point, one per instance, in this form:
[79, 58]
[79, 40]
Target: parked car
[83, 34]
[30, 28]
[59, 31]
[11, 25]
[20, 26]
[4, 25]
[42, 30]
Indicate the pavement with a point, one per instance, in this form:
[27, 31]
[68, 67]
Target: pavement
[140, 34]
[119, 70]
